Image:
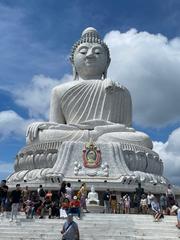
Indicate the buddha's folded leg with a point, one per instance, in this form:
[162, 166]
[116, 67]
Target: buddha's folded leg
[62, 135]
[138, 138]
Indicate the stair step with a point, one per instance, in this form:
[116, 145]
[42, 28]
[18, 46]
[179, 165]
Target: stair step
[93, 227]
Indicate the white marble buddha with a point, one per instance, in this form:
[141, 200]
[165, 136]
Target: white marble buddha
[92, 197]
[91, 106]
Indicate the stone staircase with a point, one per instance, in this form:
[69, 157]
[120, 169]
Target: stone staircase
[93, 227]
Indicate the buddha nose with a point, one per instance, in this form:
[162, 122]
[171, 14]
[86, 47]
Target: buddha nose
[89, 53]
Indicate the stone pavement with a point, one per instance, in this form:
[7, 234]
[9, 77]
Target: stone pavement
[92, 227]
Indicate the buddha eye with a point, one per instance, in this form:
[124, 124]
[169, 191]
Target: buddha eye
[97, 51]
[83, 50]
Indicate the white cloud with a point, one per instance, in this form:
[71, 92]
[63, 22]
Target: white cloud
[12, 125]
[5, 169]
[148, 65]
[170, 154]
[36, 96]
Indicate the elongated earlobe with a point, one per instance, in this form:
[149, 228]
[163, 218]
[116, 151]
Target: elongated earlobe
[104, 74]
[75, 74]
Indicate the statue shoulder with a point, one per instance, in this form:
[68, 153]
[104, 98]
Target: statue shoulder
[59, 90]
[115, 85]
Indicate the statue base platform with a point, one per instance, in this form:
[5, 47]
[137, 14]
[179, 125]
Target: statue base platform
[118, 166]
[94, 208]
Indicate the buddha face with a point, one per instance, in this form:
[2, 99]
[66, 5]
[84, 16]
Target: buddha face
[90, 61]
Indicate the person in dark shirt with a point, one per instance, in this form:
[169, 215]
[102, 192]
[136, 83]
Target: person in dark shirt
[62, 191]
[15, 201]
[41, 193]
[106, 199]
[3, 196]
[139, 193]
[70, 229]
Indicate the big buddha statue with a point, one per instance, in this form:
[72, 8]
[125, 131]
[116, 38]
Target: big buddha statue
[89, 135]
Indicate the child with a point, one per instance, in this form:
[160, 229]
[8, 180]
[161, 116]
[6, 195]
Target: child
[64, 207]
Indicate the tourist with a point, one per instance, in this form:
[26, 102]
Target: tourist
[139, 193]
[29, 208]
[46, 206]
[120, 205]
[54, 209]
[113, 202]
[163, 203]
[144, 204]
[170, 196]
[176, 210]
[126, 201]
[135, 203]
[15, 198]
[150, 198]
[36, 201]
[156, 210]
[62, 191]
[41, 193]
[39, 208]
[25, 194]
[82, 194]
[74, 207]
[3, 197]
[49, 195]
[64, 207]
[68, 191]
[106, 200]
[70, 229]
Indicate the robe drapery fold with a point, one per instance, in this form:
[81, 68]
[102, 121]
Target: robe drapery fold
[97, 100]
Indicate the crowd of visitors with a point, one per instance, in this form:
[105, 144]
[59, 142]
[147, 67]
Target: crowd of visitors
[140, 202]
[67, 202]
[57, 204]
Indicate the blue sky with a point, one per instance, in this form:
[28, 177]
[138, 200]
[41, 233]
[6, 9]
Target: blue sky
[36, 39]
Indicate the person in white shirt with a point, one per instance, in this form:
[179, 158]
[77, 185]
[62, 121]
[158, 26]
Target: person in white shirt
[68, 191]
[176, 210]
[150, 197]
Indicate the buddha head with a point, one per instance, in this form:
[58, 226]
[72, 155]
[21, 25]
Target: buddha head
[90, 56]
[92, 189]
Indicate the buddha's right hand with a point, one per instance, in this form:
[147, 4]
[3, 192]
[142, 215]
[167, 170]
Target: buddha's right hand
[33, 128]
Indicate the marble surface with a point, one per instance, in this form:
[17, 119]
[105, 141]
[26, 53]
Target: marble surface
[92, 108]
[92, 197]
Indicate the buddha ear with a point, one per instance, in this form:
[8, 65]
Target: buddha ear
[105, 72]
[75, 74]
[104, 75]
